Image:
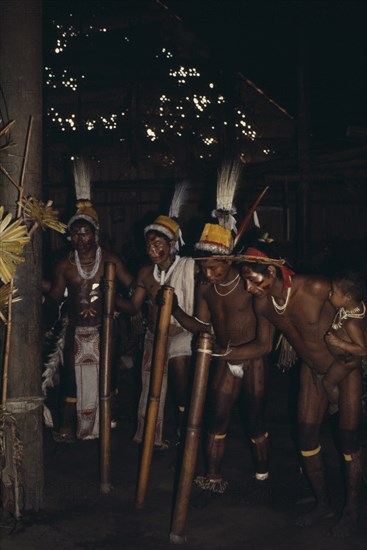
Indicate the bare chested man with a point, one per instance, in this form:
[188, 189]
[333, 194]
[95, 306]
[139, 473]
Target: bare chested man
[222, 302]
[299, 307]
[166, 267]
[80, 273]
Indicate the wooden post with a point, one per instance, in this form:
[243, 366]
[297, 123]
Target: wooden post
[203, 358]
[105, 377]
[158, 361]
[21, 71]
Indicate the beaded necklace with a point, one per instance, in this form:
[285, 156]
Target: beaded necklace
[161, 276]
[230, 282]
[343, 314]
[237, 279]
[88, 274]
[280, 310]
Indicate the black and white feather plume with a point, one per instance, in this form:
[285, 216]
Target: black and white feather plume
[228, 177]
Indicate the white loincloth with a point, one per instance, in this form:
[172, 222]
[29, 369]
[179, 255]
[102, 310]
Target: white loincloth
[87, 354]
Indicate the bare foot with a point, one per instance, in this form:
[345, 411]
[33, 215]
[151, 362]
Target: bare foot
[346, 526]
[320, 511]
[257, 492]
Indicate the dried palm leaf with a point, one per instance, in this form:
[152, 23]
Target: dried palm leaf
[4, 300]
[42, 214]
[7, 146]
[5, 129]
[13, 238]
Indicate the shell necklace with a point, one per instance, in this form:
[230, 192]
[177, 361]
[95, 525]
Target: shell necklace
[237, 278]
[281, 309]
[88, 274]
[343, 314]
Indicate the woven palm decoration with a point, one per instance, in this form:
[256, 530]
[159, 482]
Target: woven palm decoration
[42, 214]
[13, 238]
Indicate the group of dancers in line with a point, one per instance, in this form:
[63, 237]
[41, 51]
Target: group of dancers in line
[242, 298]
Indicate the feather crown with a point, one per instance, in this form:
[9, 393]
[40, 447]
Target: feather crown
[218, 238]
[166, 224]
[82, 183]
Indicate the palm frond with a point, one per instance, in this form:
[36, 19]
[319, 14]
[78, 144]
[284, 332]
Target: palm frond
[13, 238]
[42, 214]
[4, 300]
[5, 129]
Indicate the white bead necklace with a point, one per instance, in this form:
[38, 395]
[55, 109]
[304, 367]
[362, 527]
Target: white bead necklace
[237, 279]
[88, 274]
[230, 282]
[343, 314]
[161, 276]
[281, 309]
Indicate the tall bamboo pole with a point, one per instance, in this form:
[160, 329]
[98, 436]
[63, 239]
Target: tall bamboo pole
[159, 358]
[105, 377]
[203, 357]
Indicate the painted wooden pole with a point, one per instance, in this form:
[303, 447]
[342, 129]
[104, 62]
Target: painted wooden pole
[158, 361]
[105, 377]
[202, 363]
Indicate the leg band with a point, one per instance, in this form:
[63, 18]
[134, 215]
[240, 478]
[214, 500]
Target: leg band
[220, 436]
[348, 458]
[313, 452]
[262, 477]
[70, 399]
[181, 408]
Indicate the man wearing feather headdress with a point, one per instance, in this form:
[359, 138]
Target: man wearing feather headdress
[80, 274]
[163, 238]
[224, 304]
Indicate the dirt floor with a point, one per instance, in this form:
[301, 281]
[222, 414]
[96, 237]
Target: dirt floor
[76, 516]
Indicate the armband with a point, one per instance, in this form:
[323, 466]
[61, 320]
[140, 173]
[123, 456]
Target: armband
[202, 322]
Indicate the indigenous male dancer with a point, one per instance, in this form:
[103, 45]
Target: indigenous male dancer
[80, 273]
[225, 305]
[162, 239]
[298, 306]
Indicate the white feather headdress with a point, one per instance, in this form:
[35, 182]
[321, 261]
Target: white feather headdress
[82, 183]
[179, 198]
[228, 177]
[81, 179]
